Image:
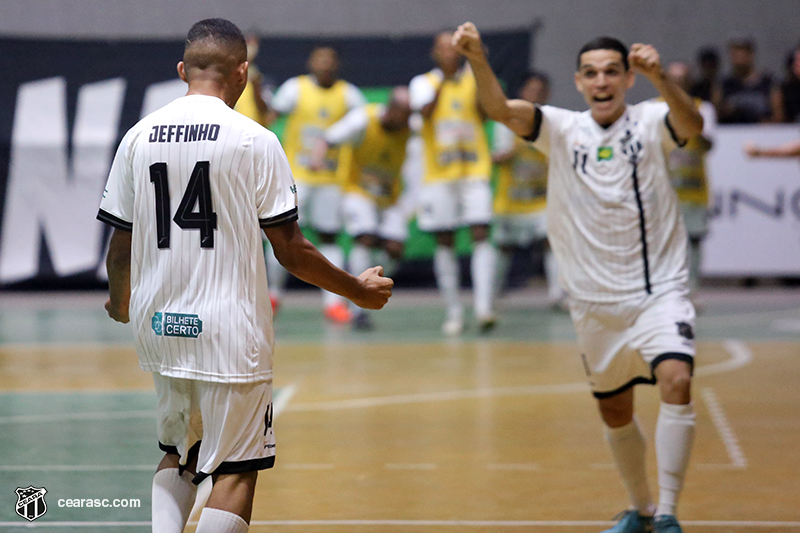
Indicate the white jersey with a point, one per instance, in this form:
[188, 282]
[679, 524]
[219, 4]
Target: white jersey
[613, 218]
[196, 181]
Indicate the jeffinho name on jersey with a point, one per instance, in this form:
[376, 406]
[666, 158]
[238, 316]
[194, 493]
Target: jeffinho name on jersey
[184, 133]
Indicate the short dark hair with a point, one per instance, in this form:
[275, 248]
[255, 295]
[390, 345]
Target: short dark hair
[708, 55]
[605, 43]
[220, 30]
[537, 75]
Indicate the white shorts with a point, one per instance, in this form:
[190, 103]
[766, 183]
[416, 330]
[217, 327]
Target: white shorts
[519, 230]
[696, 219]
[449, 205]
[231, 423]
[621, 343]
[362, 216]
[319, 207]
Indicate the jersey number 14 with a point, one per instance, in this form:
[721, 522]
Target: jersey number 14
[198, 193]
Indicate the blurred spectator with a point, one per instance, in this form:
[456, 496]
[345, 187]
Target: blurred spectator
[687, 171]
[253, 103]
[746, 93]
[707, 87]
[786, 97]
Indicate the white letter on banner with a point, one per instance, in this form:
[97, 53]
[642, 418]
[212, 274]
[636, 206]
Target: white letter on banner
[45, 193]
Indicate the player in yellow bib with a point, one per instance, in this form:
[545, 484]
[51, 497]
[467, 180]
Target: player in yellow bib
[312, 104]
[252, 104]
[687, 170]
[520, 201]
[373, 142]
[455, 189]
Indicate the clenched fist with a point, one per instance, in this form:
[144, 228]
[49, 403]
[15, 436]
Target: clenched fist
[376, 289]
[467, 40]
[644, 59]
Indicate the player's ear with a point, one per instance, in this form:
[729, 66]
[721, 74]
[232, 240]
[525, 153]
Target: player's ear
[578, 84]
[182, 71]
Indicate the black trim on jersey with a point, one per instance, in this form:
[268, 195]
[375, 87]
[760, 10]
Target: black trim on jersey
[639, 380]
[279, 220]
[166, 448]
[537, 125]
[111, 220]
[686, 358]
[679, 142]
[237, 467]
[642, 228]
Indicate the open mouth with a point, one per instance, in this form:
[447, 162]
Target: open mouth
[603, 99]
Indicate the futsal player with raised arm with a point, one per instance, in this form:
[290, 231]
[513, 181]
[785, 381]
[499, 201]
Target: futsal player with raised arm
[455, 190]
[617, 233]
[190, 190]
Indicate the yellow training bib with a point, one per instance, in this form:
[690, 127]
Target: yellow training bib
[455, 141]
[317, 109]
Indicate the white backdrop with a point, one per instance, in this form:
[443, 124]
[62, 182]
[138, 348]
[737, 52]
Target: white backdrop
[755, 229]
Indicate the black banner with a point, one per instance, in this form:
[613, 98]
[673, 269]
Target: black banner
[65, 104]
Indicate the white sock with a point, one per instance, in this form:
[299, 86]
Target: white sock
[219, 521]
[445, 267]
[360, 260]
[335, 255]
[674, 439]
[389, 265]
[173, 497]
[628, 448]
[694, 264]
[276, 275]
[554, 291]
[484, 263]
[503, 266]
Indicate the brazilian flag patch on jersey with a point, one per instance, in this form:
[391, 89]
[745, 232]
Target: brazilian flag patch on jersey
[605, 153]
[176, 325]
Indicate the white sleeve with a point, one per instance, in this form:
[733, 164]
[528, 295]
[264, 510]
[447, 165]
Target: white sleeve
[354, 97]
[709, 115]
[285, 99]
[553, 121]
[350, 128]
[116, 207]
[276, 194]
[655, 115]
[421, 92]
[504, 139]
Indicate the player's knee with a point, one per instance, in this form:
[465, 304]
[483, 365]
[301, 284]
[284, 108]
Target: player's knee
[445, 238]
[480, 232]
[394, 249]
[366, 240]
[676, 387]
[327, 238]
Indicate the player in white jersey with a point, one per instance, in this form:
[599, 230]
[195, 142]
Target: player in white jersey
[617, 233]
[190, 189]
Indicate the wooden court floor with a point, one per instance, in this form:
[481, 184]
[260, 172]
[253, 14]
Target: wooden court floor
[403, 430]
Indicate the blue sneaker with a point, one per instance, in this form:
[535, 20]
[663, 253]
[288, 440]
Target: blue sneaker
[666, 524]
[632, 522]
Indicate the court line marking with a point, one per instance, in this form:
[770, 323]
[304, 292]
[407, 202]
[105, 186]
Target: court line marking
[410, 466]
[739, 352]
[423, 523]
[724, 429]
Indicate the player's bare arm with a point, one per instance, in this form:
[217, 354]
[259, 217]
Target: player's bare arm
[684, 117]
[118, 264]
[790, 149]
[518, 115]
[369, 290]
